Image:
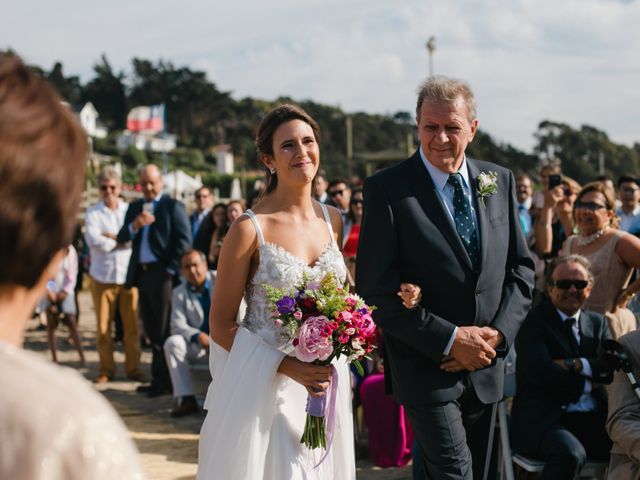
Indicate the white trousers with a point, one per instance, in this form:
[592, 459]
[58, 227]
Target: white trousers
[179, 355]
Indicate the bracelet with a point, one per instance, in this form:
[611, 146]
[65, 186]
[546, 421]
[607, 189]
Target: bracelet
[628, 295]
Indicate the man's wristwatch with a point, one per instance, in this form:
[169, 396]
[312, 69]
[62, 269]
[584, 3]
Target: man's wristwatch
[570, 363]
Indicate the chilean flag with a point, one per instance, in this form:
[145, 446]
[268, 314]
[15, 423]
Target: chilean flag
[150, 119]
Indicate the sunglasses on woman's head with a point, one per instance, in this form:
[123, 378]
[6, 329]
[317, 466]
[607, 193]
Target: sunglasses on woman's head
[565, 284]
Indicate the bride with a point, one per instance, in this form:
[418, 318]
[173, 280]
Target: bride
[256, 401]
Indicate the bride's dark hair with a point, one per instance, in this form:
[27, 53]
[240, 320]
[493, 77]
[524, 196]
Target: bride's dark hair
[268, 126]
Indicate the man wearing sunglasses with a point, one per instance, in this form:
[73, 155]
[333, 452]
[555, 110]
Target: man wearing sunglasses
[108, 271]
[340, 197]
[560, 408]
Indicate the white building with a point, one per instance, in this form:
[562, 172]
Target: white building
[146, 141]
[89, 120]
[180, 185]
[224, 159]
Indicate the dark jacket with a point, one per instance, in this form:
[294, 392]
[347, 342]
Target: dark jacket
[169, 235]
[544, 389]
[407, 236]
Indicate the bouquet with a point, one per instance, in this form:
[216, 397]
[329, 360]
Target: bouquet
[323, 321]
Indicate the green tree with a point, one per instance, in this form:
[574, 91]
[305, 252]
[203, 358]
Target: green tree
[106, 91]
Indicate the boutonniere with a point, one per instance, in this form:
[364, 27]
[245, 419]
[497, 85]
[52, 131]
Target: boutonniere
[487, 185]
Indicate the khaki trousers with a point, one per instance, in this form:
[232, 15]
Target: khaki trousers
[106, 296]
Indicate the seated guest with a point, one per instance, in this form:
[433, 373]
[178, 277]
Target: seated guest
[53, 424]
[623, 424]
[559, 410]
[189, 340]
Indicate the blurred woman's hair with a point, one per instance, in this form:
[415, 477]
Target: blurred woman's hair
[43, 153]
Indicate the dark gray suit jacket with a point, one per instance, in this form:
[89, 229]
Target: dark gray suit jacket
[169, 235]
[544, 389]
[407, 236]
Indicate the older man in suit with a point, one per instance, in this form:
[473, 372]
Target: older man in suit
[560, 409]
[450, 225]
[159, 229]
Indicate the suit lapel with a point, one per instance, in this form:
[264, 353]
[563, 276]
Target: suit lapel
[431, 203]
[481, 212]
[197, 306]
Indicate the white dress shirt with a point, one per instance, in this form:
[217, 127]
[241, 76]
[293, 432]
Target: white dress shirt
[586, 403]
[445, 192]
[108, 262]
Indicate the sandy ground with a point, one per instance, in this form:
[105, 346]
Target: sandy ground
[168, 447]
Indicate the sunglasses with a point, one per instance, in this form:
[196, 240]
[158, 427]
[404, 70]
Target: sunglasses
[629, 190]
[567, 192]
[565, 284]
[104, 188]
[592, 206]
[357, 201]
[336, 192]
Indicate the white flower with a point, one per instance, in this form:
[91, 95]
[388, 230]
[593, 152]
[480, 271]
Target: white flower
[487, 185]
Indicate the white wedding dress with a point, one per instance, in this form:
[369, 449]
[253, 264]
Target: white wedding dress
[255, 416]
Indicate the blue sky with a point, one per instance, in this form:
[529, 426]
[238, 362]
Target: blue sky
[574, 61]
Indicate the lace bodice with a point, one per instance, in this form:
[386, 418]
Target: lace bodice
[282, 269]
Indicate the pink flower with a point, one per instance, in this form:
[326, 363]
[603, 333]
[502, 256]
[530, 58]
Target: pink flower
[275, 314]
[351, 301]
[278, 322]
[350, 331]
[313, 344]
[343, 316]
[297, 315]
[342, 338]
[367, 326]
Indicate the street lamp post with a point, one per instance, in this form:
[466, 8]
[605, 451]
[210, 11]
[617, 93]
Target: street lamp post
[431, 46]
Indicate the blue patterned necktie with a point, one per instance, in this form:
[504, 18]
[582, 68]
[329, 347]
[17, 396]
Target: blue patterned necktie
[464, 220]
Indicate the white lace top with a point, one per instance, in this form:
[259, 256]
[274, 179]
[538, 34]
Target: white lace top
[282, 269]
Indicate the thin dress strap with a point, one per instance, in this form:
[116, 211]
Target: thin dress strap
[327, 218]
[252, 216]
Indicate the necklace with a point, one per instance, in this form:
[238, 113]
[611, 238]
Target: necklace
[584, 240]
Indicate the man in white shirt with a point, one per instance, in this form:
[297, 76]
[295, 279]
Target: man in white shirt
[629, 210]
[108, 271]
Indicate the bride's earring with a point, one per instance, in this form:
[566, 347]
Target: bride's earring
[272, 171]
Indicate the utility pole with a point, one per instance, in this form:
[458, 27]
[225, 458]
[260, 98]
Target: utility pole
[349, 128]
[431, 46]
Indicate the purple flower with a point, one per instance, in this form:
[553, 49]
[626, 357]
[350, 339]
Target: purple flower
[286, 304]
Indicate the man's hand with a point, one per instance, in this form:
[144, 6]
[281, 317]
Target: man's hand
[410, 295]
[471, 349]
[142, 220]
[203, 339]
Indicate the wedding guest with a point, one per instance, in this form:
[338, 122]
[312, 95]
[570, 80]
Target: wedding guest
[60, 302]
[555, 219]
[235, 208]
[560, 408]
[108, 272]
[53, 424]
[201, 220]
[613, 255]
[524, 192]
[340, 197]
[158, 227]
[623, 422]
[219, 217]
[629, 210]
[551, 168]
[350, 247]
[320, 185]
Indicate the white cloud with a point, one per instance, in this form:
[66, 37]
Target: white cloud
[574, 61]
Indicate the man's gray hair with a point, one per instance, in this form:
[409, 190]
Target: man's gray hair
[108, 173]
[573, 258]
[446, 89]
[191, 251]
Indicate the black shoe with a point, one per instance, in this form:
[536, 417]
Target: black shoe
[153, 391]
[188, 406]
